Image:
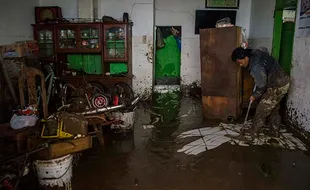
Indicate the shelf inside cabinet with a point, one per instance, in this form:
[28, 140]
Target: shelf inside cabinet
[45, 41]
[90, 38]
[115, 42]
[39, 42]
[67, 38]
[78, 80]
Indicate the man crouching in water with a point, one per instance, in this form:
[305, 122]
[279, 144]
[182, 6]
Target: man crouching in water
[272, 83]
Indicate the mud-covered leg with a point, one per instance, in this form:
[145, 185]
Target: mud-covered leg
[275, 118]
[263, 110]
[275, 121]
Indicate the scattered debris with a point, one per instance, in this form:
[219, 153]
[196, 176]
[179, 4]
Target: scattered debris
[136, 182]
[156, 114]
[186, 115]
[148, 126]
[213, 137]
[157, 119]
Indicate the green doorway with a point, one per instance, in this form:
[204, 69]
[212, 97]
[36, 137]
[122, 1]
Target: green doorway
[168, 55]
[283, 34]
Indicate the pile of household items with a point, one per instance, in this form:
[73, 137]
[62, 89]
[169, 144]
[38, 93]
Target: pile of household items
[52, 138]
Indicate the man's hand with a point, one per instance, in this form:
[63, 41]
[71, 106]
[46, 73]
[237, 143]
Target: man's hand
[252, 99]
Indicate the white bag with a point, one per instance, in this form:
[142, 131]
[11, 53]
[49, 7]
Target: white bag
[19, 122]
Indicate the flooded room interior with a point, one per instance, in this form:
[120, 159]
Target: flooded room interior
[154, 94]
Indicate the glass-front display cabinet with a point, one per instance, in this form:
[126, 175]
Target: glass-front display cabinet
[80, 38]
[90, 38]
[45, 37]
[115, 42]
[66, 38]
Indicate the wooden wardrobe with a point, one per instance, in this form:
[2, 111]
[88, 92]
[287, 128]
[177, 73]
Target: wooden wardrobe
[221, 78]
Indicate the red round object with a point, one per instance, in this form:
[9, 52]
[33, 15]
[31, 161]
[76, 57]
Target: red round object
[115, 100]
[100, 101]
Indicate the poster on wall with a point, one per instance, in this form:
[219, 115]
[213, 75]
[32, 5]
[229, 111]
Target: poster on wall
[222, 4]
[304, 19]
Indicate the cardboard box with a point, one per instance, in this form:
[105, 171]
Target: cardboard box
[20, 49]
[32, 47]
[14, 50]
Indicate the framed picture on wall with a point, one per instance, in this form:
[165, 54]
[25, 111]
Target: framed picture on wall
[222, 4]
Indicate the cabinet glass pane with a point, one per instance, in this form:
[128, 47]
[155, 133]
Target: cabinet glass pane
[48, 36]
[67, 39]
[41, 36]
[115, 42]
[45, 41]
[89, 38]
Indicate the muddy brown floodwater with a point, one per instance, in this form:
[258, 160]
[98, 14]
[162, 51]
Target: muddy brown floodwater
[148, 158]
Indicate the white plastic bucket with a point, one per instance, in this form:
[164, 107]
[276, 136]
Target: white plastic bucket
[55, 172]
[128, 119]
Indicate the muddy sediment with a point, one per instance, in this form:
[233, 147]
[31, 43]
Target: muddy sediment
[149, 158]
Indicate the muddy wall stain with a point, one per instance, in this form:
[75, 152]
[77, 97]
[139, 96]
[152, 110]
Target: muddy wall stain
[298, 104]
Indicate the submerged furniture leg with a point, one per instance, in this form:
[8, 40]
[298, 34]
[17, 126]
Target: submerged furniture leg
[99, 134]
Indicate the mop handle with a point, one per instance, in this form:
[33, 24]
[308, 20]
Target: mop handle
[247, 113]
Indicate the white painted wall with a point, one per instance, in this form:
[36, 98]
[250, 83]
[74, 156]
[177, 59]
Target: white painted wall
[261, 28]
[182, 13]
[69, 7]
[299, 95]
[168, 12]
[141, 12]
[16, 17]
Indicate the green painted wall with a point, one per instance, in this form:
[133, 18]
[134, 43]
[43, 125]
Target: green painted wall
[281, 4]
[287, 41]
[168, 59]
[277, 30]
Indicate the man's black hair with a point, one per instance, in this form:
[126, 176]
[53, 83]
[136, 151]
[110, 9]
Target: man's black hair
[240, 53]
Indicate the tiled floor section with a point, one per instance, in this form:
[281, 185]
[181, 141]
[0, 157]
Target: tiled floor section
[213, 137]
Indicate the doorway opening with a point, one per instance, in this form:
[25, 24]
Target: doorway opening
[168, 55]
[284, 31]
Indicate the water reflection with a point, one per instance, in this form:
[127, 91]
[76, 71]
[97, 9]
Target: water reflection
[167, 108]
